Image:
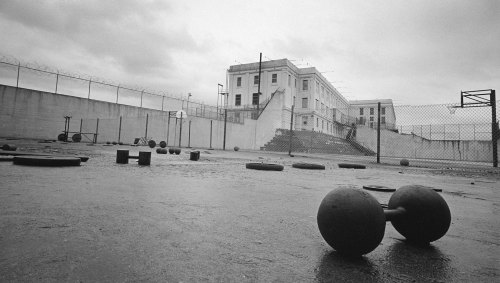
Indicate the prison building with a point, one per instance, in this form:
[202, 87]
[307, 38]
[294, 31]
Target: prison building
[366, 113]
[318, 106]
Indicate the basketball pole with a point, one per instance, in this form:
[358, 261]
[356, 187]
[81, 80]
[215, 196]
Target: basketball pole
[494, 127]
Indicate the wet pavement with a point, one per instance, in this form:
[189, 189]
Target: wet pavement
[213, 220]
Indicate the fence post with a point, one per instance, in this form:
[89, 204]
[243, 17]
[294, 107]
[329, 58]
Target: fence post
[180, 131]
[291, 131]
[90, 81]
[120, 129]
[494, 127]
[117, 88]
[211, 124]
[225, 126]
[146, 134]
[96, 130]
[57, 81]
[168, 126]
[378, 133]
[18, 70]
[189, 135]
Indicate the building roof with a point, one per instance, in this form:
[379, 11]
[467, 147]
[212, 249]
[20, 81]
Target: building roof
[370, 101]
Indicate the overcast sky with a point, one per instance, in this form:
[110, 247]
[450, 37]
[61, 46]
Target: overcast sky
[414, 52]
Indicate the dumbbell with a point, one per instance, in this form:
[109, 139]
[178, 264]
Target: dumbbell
[122, 157]
[352, 221]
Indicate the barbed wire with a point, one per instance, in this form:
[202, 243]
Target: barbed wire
[38, 67]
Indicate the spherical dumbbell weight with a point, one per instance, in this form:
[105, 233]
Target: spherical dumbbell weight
[419, 213]
[353, 222]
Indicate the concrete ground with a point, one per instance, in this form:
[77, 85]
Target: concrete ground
[213, 220]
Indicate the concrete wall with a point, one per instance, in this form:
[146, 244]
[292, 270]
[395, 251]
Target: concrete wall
[411, 146]
[26, 113]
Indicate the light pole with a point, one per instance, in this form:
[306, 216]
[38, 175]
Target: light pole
[187, 105]
[219, 87]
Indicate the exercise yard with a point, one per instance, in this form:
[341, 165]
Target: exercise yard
[213, 220]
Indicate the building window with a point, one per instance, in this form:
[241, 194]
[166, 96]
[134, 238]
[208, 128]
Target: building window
[317, 87]
[317, 122]
[382, 120]
[371, 119]
[304, 120]
[361, 111]
[274, 78]
[237, 100]
[383, 110]
[238, 82]
[372, 111]
[255, 99]
[361, 120]
[304, 102]
[256, 80]
[305, 85]
[289, 80]
[317, 104]
[295, 84]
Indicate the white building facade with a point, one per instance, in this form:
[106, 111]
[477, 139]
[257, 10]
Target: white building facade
[366, 113]
[318, 106]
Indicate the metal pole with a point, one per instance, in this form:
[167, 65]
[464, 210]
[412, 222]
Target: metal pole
[291, 132]
[81, 123]
[211, 124]
[57, 81]
[120, 129]
[96, 130]
[117, 89]
[175, 130]
[162, 100]
[180, 131]
[189, 135]
[142, 92]
[168, 125]
[494, 127]
[146, 134]
[378, 133]
[258, 87]
[18, 70]
[90, 81]
[225, 125]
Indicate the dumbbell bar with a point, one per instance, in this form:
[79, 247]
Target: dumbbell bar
[353, 222]
[122, 157]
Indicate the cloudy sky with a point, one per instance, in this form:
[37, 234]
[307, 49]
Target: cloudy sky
[412, 51]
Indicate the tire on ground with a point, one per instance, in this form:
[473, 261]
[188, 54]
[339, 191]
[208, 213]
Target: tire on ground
[310, 166]
[52, 161]
[351, 166]
[265, 166]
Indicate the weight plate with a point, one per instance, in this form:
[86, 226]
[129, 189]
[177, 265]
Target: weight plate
[378, 188]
